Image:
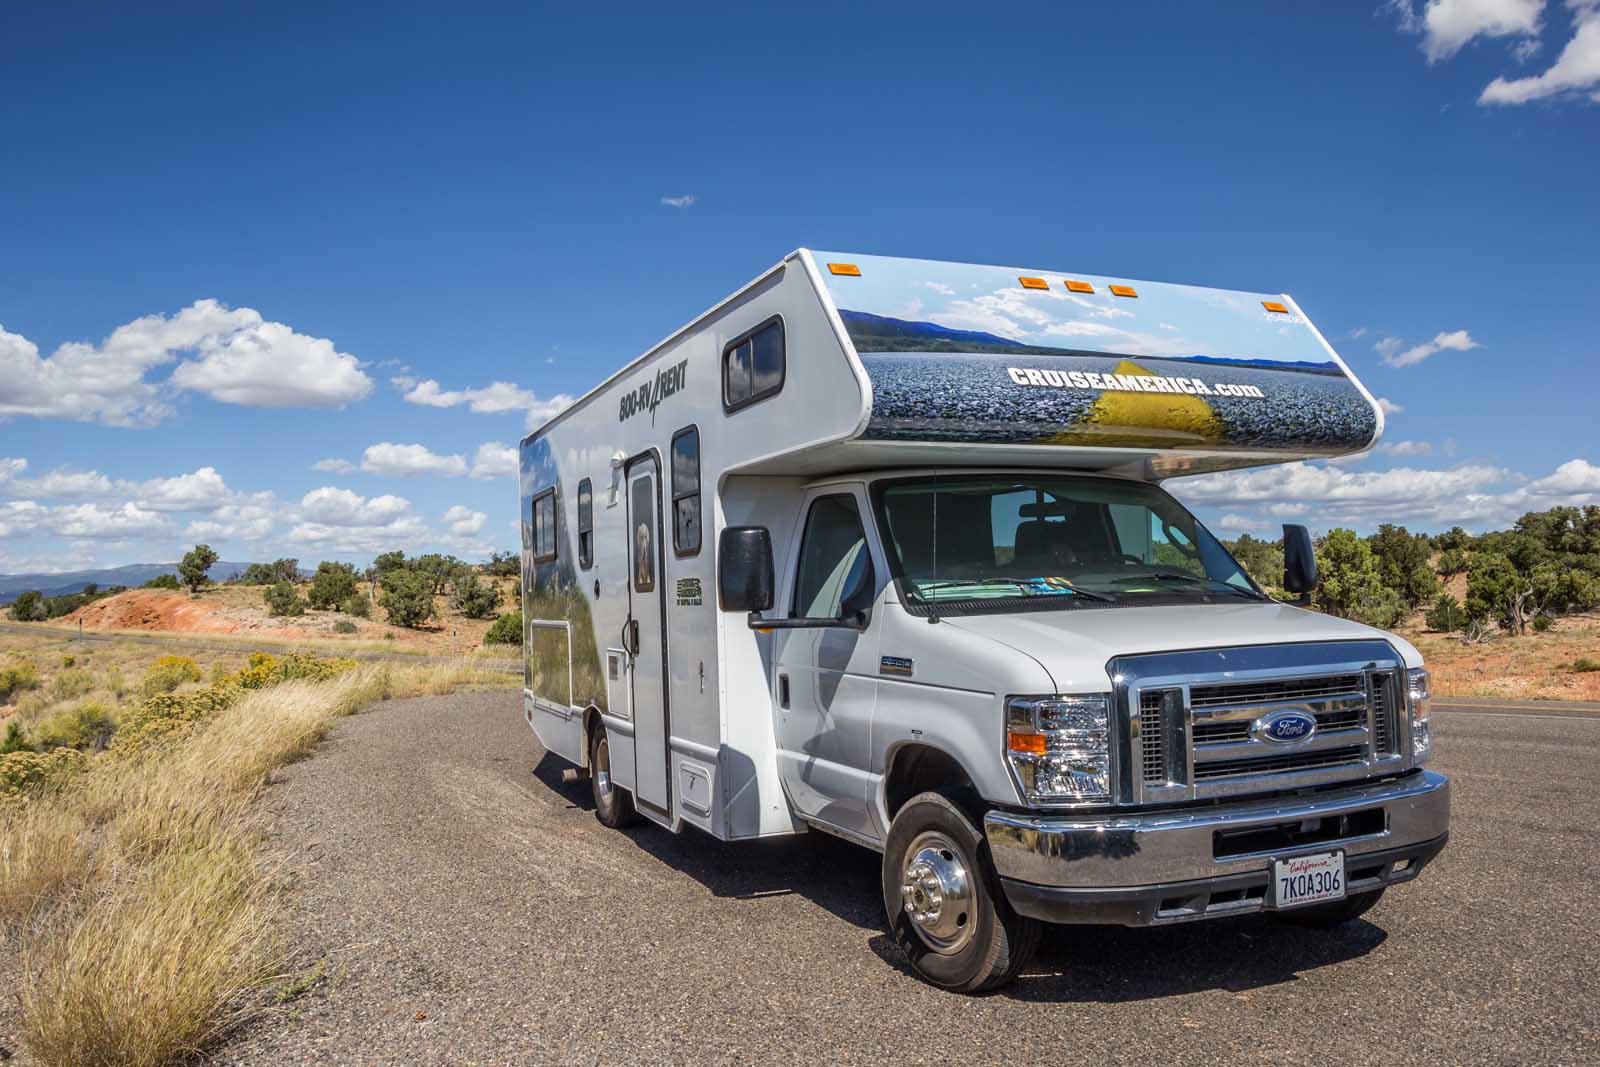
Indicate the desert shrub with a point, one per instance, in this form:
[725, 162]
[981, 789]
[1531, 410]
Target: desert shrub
[18, 678]
[87, 726]
[357, 606]
[69, 660]
[28, 607]
[407, 598]
[504, 564]
[344, 626]
[71, 684]
[168, 673]
[333, 584]
[195, 566]
[14, 740]
[266, 670]
[283, 600]
[163, 581]
[507, 630]
[22, 773]
[114, 683]
[1584, 665]
[1542, 624]
[474, 599]
[1447, 615]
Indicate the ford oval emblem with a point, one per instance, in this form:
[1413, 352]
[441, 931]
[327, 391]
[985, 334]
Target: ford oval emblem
[1286, 726]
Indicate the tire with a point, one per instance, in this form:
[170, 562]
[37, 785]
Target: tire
[613, 805]
[1333, 913]
[968, 939]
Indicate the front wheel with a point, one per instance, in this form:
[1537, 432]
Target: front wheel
[945, 906]
[613, 805]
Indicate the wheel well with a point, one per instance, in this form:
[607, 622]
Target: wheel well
[591, 723]
[919, 768]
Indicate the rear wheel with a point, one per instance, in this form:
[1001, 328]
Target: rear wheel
[613, 805]
[945, 905]
[1333, 913]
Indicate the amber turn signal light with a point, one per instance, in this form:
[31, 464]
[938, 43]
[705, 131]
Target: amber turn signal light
[1032, 744]
[849, 270]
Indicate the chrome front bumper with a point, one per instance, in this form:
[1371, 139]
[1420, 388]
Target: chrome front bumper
[1194, 863]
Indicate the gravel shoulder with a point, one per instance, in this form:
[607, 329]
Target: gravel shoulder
[469, 909]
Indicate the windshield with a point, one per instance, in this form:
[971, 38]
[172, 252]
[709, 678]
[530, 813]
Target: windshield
[997, 542]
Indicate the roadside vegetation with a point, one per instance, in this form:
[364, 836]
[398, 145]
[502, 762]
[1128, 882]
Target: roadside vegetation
[1509, 612]
[138, 902]
[430, 603]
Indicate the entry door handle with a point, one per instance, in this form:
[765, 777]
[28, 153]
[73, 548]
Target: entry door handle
[783, 690]
[630, 636]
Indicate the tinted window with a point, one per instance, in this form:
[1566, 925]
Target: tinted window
[834, 562]
[585, 523]
[643, 514]
[544, 526]
[753, 366]
[686, 491]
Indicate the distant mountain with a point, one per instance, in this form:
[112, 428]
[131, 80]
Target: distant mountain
[1325, 367]
[131, 575]
[882, 328]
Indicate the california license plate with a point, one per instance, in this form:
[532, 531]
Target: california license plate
[1308, 879]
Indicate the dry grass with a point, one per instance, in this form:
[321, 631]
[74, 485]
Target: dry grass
[1530, 666]
[144, 911]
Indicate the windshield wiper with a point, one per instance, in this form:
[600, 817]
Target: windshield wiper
[1180, 576]
[957, 583]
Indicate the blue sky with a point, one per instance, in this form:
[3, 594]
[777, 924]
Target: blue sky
[224, 235]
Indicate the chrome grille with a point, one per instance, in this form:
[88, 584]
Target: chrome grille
[1153, 736]
[1302, 761]
[1289, 691]
[1383, 715]
[1196, 713]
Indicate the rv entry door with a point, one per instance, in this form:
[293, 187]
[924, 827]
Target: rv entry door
[645, 636]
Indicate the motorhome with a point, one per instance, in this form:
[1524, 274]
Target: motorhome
[879, 547]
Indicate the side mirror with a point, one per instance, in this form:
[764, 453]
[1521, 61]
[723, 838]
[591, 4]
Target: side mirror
[1299, 563]
[744, 568]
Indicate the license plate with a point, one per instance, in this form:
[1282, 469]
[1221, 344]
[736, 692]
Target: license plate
[1308, 879]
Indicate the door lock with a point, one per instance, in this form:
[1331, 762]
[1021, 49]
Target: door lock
[630, 636]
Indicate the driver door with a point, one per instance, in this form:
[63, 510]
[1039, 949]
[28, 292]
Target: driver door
[826, 679]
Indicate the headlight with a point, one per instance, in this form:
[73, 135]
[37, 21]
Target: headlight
[1060, 747]
[1419, 698]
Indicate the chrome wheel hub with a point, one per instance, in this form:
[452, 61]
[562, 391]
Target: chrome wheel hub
[937, 893]
[602, 771]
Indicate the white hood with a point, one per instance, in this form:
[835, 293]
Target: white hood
[1074, 644]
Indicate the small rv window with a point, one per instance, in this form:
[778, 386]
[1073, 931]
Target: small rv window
[585, 524]
[544, 526]
[686, 491]
[753, 366]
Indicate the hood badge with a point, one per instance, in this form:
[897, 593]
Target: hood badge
[1286, 726]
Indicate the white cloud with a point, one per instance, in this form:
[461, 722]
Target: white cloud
[404, 460]
[464, 522]
[495, 460]
[1454, 340]
[1235, 523]
[237, 357]
[686, 200]
[494, 398]
[1447, 26]
[21, 517]
[330, 519]
[1405, 448]
[200, 490]
[235, 522]
[1574, 476]
[341, 507]
[333, 466]
[96, 522]
[1576, 70]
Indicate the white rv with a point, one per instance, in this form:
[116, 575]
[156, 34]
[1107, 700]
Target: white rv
[879, 547]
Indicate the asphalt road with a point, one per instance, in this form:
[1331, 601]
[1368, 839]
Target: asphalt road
[471, 910]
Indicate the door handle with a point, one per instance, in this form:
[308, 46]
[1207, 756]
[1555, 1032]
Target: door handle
[783, 690]
[630, 636]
